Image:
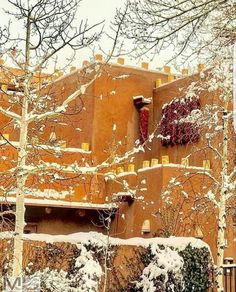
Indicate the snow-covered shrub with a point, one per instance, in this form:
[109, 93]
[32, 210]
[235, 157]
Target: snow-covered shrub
[169, 269]
[87, 271]
[164, 272]
[53, 280]
[78, 262]
[84, 274]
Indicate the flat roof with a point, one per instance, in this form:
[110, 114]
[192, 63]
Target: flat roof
[60, 204]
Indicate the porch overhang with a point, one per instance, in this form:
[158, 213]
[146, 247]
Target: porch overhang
[60, 204]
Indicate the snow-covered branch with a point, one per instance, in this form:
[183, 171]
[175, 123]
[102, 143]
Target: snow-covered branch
[209, 175]
[63, 107]
[10, 114]
[233, 174]
[214, 149]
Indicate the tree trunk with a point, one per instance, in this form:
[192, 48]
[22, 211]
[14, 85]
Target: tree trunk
[22, 174]
[20, 184]
[221, 245]
[222, 201]
[106, 259]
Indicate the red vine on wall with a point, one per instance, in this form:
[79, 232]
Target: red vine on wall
[143, 124]
[173, 131]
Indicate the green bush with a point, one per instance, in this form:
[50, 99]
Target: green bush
[197, 268]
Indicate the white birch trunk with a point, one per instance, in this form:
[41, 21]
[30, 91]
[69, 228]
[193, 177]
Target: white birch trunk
[221, 245]
[106, 259]
[20, 207]
[234, 88]
[222, 200]
[17, 268]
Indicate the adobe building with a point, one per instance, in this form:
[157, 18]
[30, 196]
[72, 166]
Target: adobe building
[112, 134]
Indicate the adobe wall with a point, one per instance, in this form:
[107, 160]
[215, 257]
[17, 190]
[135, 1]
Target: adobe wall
[65, 226]
[73, 126]
[90, 120]
[206, 220]
[107, 102]
[164, 94]
[114, 105]
[180, 218]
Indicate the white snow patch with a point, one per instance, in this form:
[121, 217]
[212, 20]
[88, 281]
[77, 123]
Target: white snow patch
[121, 77]
[125, 173]
[164, 261]
[99, 239]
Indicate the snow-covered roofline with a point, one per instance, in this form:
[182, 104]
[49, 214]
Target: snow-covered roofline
[60, 204]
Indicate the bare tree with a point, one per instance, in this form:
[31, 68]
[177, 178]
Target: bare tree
[49, 27]
[185, 26]
[196, 28]
[215, 120]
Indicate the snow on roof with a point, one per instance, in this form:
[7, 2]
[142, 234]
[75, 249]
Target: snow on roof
[125, 173]
[124, 194]
[156, 71]
[113, 64]
[144, 99]
[138, 96]
[60, 203]
[47, 147]
[67, 149]
[100, 239]
[172, 165]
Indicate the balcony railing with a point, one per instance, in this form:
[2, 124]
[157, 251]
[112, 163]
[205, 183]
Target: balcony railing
[229, 272]
[230, 278]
